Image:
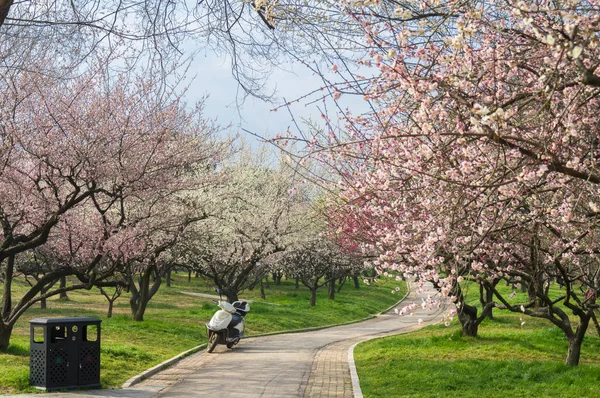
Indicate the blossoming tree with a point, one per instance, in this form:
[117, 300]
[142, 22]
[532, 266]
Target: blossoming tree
[317, 263]
[253, 211]
[75, 154]
[479, 160]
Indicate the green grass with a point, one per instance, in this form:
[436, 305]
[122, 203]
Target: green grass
[506, 359]
[174, 322]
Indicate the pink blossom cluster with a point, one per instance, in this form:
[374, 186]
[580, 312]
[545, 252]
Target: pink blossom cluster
[409, 309]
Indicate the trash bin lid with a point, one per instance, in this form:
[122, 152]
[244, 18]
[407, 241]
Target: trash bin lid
[53, 321]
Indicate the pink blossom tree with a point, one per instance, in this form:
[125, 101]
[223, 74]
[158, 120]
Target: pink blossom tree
[479, 159]
[78, 157]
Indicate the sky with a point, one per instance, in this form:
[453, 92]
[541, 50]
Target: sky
[213, 77]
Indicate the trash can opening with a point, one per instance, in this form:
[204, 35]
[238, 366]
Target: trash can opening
[38, 335]
[58, 334]
[90, 333]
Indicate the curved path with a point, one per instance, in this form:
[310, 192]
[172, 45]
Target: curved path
[306, 364]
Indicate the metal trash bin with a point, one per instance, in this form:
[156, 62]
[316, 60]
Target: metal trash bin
[64, 353]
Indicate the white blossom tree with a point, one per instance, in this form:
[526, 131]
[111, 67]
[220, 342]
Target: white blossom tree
[317, 263]
[254, 211]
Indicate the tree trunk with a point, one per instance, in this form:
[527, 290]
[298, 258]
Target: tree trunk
[145, 292]
[253, 285]
[231, 293]
[470, 328]
[331, 290]
[313, 297]
[168, 276]
[111, 299]
[63, 284]
[341, 283]
[44, 290]
[536, 283]
[356, 282]
[576, 340]
[189, 276]
[489, 297]
[110, 309]
[486, 295]
[138, 316]
[574, 351]
[531, 294]
[6, 303]
[467, 315]
[262, 290]
[297, 283]
[5, 333]
[232, 297]
[139, 301]
[133, 302]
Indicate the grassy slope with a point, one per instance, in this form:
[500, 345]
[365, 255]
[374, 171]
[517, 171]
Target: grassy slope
[174, 322]
[507, 359]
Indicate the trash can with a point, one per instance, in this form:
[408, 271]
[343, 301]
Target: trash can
[64, 353]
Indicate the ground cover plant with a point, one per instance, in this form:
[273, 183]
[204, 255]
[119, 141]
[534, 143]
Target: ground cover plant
[175, 322]
[513, 355]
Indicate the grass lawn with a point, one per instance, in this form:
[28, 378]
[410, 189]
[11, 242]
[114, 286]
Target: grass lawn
[505, 360]
[174, 322]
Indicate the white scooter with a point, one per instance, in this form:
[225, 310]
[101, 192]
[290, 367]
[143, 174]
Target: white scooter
[227, 325]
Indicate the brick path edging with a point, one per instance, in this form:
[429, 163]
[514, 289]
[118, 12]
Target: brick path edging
[353, 373]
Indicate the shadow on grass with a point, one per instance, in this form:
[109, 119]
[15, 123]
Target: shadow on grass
[126, 352]
[18, 349]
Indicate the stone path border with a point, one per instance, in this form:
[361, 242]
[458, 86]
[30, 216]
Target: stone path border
[161, 366]
[353, 373]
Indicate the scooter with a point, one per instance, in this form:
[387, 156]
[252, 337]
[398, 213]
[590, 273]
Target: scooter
[227, 325]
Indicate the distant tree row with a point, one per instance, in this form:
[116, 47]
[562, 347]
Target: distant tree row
[110, 184]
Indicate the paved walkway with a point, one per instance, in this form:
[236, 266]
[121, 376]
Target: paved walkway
[330, 373]
[307, 364]
[209, 296]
